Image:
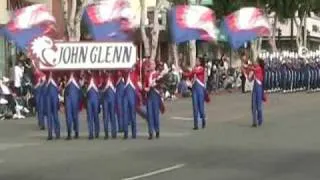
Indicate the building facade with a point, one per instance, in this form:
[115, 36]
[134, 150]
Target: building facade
[286, 34]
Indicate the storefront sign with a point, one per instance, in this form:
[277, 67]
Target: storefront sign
[82, 55]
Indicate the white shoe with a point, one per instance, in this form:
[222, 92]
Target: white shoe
[15, 116]
[21, 117]
[3, 101]
[25, 110]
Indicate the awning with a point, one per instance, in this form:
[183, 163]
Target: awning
[17, 4]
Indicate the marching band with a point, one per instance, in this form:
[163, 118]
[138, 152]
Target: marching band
[291, 71]
[117, 94]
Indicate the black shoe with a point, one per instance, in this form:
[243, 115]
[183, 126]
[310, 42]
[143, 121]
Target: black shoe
[76, 136]
[90, 137]
[97, 136]
[157, 135]
[49, 138]
[125, 136]
[68, 138]
[57, 137]
[114, 136]
[254, 125]
[150, 136]
[106, 137]
[42, 128]
[203, 125]
[195, 128]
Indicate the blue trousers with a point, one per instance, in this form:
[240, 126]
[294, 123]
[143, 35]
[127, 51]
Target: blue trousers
[93, 112]
[52, 110]
[256, 104]
[109, 115]
[72, 108]
[39, 94]
[153, 111]
[130, 101]
[198, 100]
[120, 104]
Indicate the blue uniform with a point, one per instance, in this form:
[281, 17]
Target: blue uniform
[52, 101]
[109, 107]
[72, 103]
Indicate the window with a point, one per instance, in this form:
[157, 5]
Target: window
[315, 28]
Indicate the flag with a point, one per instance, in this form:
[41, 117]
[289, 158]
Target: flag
[192, 23]
[29, 23]
[245, 25]
[112, 20]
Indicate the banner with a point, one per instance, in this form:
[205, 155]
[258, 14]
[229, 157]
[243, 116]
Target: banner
[51, 55]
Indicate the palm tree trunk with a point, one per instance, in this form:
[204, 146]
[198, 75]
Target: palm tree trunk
[155, 31]
[145, 39]
[274, 28]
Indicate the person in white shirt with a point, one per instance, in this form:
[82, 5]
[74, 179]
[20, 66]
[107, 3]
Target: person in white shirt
[18, 74]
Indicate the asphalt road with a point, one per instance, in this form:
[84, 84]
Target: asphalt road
[287, 147]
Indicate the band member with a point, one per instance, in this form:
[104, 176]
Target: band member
[154, 101]
[109, 102]
[199, 93]
[131, 101]
[39, 93]
[72, 104]
[93, 103]
[120, 85]
[258, 96]
[53, 104]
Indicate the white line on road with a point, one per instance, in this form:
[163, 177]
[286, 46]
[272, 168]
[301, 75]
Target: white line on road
[165, 134]
[6, 146]
[156, 172]
[182, 118]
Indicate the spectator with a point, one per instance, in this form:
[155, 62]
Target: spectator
[18, 74]
[6, 93]
[183, 87]
[171, 83]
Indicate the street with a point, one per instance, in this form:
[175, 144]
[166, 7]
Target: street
[286, 147]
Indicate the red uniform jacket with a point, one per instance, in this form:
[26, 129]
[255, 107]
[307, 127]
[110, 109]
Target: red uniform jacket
[54, 77]
[74, 78]
[109, 81]
[94, 80]
[132, 79]
[198, 74]
[151, 82]
[39, 78]
[119, 76]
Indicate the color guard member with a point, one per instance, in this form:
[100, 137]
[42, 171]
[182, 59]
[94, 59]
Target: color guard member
[258, 96]
[199, 93]
[154, 101]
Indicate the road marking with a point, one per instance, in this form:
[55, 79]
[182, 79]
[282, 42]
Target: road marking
[165, 134]
[6, 146]
[160, 171]
[182, 118]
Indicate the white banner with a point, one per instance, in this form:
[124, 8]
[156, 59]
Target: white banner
[82, 55]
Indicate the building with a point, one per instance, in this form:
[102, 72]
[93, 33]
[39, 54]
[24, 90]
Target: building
[285, 34]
